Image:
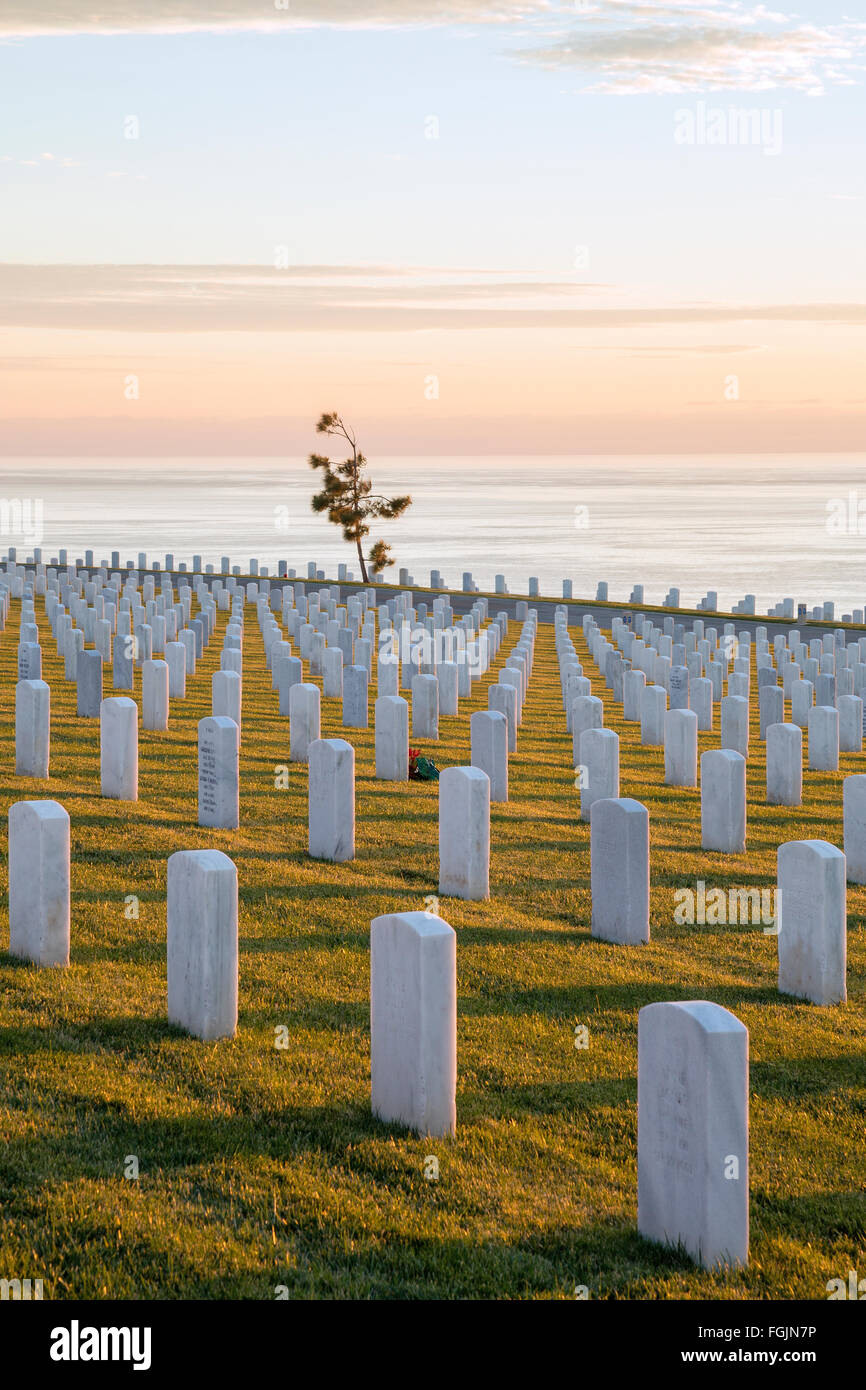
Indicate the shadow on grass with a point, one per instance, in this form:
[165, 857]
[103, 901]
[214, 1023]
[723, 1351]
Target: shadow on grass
[311, 1258]
[603, 999]
[136, 1036]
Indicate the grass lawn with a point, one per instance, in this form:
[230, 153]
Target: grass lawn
[262, 1166]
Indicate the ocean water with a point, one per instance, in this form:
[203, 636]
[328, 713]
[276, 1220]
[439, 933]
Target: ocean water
[772, 525]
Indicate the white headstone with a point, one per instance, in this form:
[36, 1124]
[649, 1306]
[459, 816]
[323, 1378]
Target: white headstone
[39, 882]
[73, 645]
[175, 656]
[599, 760]
[332, 677]
[813, 921]
[32, 728]
[850, 709]
[784, 765]
[802, 699]
[738, 684]
[508, 676]
[392, 738]
[504, 699]
[187, 641]
[226, 697]
[587, 712]
[118, 748]
[202, 943]
[446, 673]
[332, 800]
[364, 654]
[122, 669]
[488, 734]
[29, 661]
[218, 773]
[425, 707]
[771, 707]
[681, 748]
[619, 870]
[633, 686]
[413, 1022]
[735, 723]
[678, 683]
[823, 726]
[288, 671]
[304, 720]
[854, 826]
[355, 701]
[144, 643]
[576, 685]
[701, 701]
[154, 695]
[693, 1130]
[318, 647]
[652, 715]
[88, 674]
[464, 833]
[388, 676]
[723, 801]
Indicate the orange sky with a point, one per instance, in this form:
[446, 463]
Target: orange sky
[658, 387]
[471, 227]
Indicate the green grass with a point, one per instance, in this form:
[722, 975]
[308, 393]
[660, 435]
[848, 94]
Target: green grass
[262, 1167]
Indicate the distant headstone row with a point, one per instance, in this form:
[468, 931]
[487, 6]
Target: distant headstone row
[437, 658]
[787, 608]
[811, 875]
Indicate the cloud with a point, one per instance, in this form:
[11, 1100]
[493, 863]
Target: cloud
[24, 19]
[627, 49]
[255, 299]
[618, 47]
[60, 161]
[692, 350]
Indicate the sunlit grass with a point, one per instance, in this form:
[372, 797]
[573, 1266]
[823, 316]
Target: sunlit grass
[262, 1167]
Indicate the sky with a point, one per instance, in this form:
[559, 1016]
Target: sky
[577, 227]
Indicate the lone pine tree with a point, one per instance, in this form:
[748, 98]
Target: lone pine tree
[348, 498]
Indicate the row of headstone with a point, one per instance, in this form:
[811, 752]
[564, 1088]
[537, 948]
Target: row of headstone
[202, 921]
[14, 572]
[723, 789]
[620, 836]
[831, 728]
[127, 634]
[693, 1087]
[464, 793]
[811, 924]
[413, 1027]
[118, 716]
[412, 644]
[169, 565]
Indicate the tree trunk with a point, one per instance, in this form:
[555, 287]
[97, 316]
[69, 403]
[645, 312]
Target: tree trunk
[361, 559]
